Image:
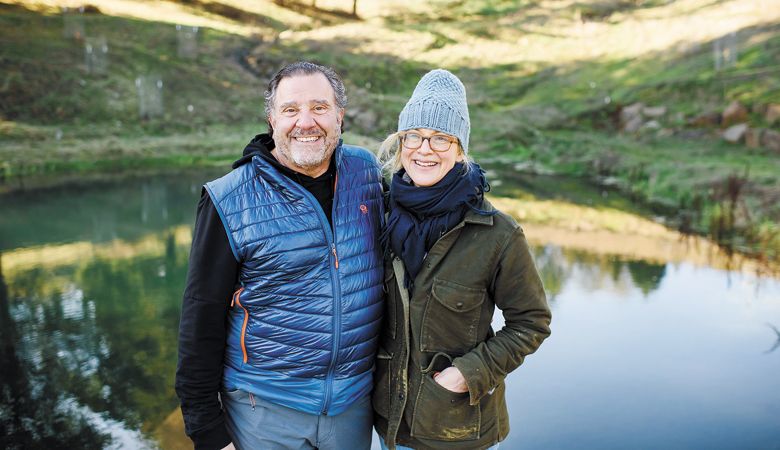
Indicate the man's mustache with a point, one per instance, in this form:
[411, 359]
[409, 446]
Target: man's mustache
[300, 132]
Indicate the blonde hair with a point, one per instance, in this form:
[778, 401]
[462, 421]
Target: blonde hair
[390, 154]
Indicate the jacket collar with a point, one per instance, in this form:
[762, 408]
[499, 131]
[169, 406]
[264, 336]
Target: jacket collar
[480, 219]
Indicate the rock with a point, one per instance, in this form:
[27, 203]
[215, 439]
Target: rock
[753, 137]
[633, 125]
[362, 118]
[541, 116]
[368, 120]
[692, 134]
[651, 125]
[710, 119]
[630, 112]
[758, 109]
[772, 113]
[770, 139]
[654, 111]
[735, 133]
[733, 114]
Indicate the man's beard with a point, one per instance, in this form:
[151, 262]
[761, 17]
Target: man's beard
[306, 158]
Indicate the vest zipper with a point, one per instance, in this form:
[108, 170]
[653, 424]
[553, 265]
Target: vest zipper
[330, 239]
[336, 305]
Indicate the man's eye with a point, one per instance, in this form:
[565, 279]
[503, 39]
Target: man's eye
[320, 108]
[288, 111]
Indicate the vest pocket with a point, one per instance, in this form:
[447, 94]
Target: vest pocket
[237, 301]
[381, 395]
[451, 318]
[442, 414]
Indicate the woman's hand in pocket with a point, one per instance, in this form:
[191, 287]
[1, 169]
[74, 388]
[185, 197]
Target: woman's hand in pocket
[451, 379]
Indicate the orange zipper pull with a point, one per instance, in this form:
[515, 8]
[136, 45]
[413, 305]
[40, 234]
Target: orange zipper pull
[235, 295]
[335, 255]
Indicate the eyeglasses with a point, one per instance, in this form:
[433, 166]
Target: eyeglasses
[437, 142]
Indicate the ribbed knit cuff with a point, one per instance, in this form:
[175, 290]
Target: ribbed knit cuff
[212, 439]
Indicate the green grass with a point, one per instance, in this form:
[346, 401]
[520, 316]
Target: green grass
[47, 82]
[546, 81]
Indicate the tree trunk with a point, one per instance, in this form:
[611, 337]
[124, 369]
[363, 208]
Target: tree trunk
[354, 7]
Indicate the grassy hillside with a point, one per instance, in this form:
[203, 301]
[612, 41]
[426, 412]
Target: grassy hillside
[547, 81]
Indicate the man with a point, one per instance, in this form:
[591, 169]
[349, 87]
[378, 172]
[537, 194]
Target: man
[283, 301]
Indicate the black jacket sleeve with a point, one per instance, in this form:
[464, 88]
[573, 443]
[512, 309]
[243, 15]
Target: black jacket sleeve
[211, 279]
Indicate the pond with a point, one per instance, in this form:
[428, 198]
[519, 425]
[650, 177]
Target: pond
[645, 352]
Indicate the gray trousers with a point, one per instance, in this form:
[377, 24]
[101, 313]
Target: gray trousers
[254, 423]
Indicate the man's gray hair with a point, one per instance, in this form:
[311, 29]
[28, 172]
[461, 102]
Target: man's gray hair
[305, 68]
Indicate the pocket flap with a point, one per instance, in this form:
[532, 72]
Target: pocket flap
[383, 354]
[456, 297]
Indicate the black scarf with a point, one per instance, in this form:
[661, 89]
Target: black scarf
[419, 216]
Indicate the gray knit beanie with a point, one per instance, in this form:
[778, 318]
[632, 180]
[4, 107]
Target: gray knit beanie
[439, 103]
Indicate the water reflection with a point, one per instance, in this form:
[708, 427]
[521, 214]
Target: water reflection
[99, 339]
[556, 265]
[100, 212]
[683, 366]
[777, 342]
[34, 411]
[90, 305]
[90, 290]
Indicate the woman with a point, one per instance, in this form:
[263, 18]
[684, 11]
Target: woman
[452, 258]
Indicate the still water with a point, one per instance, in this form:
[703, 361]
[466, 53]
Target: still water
[644, 354]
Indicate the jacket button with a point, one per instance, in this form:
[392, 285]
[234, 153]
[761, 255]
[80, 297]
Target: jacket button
[401, 396]
[459, 304]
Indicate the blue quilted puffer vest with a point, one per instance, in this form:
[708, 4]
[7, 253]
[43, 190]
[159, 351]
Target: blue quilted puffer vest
[303, 326]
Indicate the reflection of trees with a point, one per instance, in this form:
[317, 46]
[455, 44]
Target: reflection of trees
[594, 271]
[137, 314]
[31, 414]
[102, 336]
[776, 345]
[552, 269]
[647, 276]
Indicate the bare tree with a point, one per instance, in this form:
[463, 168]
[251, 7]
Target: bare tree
[354, 7]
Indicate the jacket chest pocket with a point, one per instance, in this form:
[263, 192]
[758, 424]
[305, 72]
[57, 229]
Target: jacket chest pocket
[451, 318]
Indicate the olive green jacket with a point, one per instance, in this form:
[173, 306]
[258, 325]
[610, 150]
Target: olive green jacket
[482, 263]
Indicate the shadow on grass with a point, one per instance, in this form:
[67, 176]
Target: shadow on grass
[231, 12]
